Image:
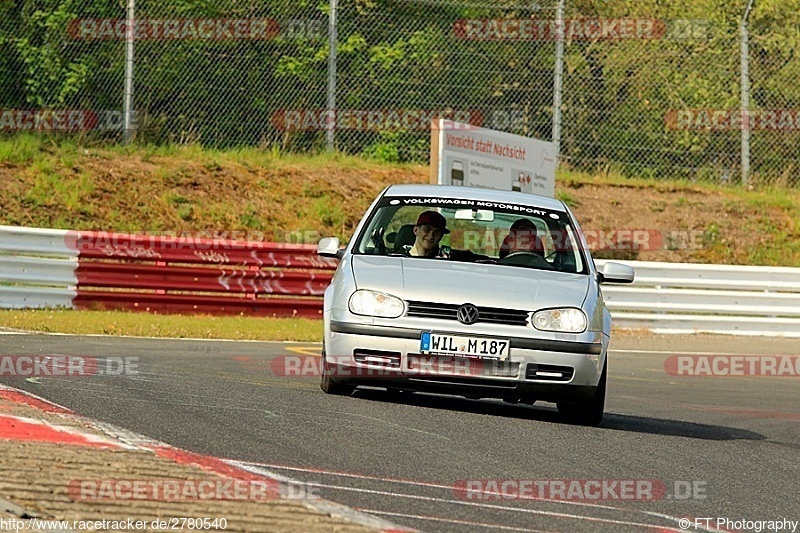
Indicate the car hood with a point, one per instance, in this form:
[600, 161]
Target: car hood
[432, 280]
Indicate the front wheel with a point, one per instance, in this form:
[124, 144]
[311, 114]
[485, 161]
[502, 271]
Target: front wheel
[589, 412]
[328, 384]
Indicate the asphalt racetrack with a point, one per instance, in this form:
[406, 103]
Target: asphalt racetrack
[713, 452]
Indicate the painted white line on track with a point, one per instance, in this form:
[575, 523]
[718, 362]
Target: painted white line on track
[425, 484]
[321, 504]
[496, 507]
[258, 466]
[266, 466]
[452, 521]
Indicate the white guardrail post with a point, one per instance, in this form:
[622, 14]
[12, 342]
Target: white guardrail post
[37, 268]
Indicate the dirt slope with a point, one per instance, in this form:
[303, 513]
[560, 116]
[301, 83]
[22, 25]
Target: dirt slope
[298, 200]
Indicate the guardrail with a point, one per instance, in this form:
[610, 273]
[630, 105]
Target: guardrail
[98, 270]
[694, 298]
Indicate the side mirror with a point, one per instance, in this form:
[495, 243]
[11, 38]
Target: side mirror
[616, 273]
[329, 247]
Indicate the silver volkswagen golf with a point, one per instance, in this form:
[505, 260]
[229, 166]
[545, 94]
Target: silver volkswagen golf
[473, 292]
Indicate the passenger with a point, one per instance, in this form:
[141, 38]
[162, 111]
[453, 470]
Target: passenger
[429, 230]
[522, 237]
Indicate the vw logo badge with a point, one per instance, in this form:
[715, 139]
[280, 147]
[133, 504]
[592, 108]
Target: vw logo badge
[467, 314]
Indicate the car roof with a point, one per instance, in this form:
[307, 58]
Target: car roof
[475, 193]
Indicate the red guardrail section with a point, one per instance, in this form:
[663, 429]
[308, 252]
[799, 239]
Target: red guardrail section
[198, 275]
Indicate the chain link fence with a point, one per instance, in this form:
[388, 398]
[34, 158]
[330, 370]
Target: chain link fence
[646, 90]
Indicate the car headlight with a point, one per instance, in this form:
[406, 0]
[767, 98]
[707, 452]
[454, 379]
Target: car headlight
[371, 303]
[565, 320]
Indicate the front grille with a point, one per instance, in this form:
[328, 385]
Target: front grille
[377, 357]
[549, 372]
[489, 315]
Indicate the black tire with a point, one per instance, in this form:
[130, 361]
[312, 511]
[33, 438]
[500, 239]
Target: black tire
[329, 385]
[589, 412]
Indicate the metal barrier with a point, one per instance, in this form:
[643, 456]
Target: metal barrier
[695, 298]
[87, 270]
[100, 270]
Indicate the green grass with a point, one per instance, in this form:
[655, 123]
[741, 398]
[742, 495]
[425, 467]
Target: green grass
[25, 148]
[250, 157]
[785, 238]
[121, 323]
[567, 198]
[575, 178]
[51, 188]
[22, 149]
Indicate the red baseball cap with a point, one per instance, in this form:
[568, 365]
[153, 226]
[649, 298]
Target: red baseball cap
[432, 218]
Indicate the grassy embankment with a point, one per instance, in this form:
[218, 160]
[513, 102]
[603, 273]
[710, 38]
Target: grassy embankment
[298, 198]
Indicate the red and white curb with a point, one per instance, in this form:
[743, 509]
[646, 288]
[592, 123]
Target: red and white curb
[40, 430]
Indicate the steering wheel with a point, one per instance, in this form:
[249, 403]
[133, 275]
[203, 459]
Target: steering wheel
[525, 259]
[377, 240]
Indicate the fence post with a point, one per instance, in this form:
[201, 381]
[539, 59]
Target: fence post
[558, 78]
[127, 103]
[744, 68]
[330, 135]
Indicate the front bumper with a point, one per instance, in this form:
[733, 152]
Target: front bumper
[536, 369]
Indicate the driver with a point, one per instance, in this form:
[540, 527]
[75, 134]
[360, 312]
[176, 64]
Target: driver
[522, 237]
[429, 230]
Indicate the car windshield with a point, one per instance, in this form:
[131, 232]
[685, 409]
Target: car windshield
[514, 235]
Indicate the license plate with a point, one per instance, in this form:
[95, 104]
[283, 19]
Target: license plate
[486, 348]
